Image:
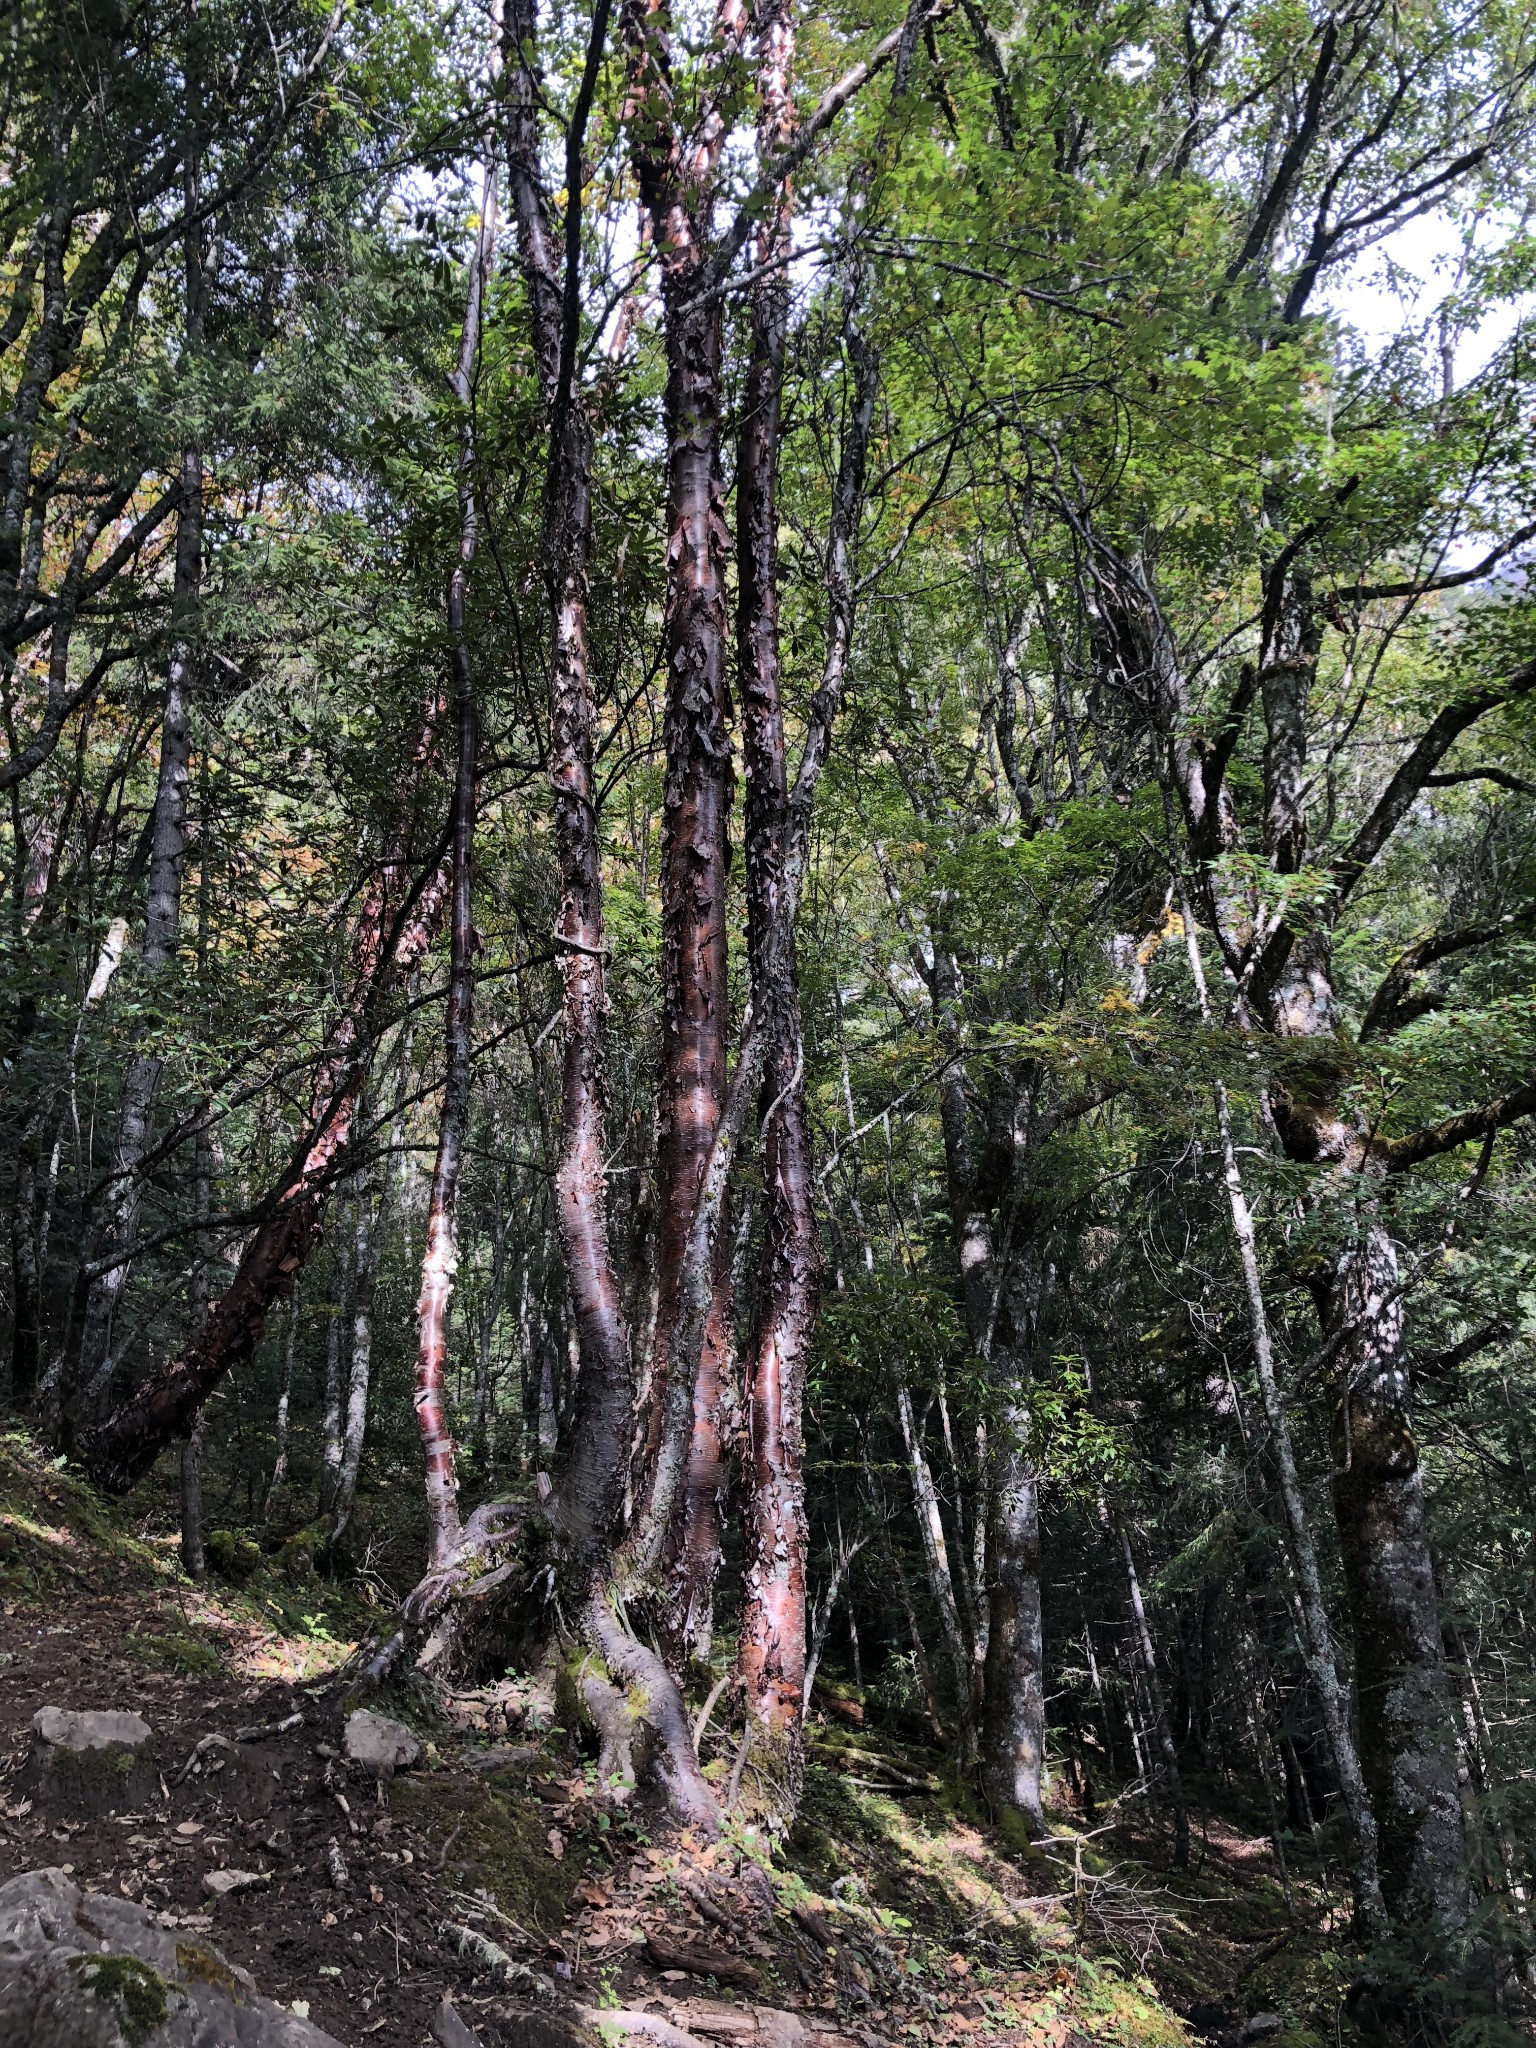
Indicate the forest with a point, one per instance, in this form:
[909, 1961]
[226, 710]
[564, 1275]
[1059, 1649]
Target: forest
[768, 959]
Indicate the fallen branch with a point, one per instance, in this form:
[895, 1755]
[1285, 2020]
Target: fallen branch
[702, 1962]
[490, 1955]
[650, 2026]
[204, 1747]
[268, 1729]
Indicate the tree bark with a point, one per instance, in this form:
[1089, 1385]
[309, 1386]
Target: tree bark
[930, 1529]
[1407, 1729]
[353, 1413]
[192, 1560]
[331, 1418]
[1317, 1639]
[439, 1264]
[677, 191]
[1013, 1694]
[591, 1480]
[89, 1395]
[1163, 1732]
[391, 936]
[771, 1630]
[1004, 1698]
[278, 1478]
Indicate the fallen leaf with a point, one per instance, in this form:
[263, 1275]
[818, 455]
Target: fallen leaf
[189, 1827]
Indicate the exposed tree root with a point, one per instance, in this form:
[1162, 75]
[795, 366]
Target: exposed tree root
[614, 1716]
[434, 1608]
[632, 1691]
[655, 1699]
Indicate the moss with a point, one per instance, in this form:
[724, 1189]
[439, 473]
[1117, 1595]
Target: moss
[500, 1840]
[190, 1655]
[202, 1966]
[139, 1997]
[231, 1556]
[295, 1558]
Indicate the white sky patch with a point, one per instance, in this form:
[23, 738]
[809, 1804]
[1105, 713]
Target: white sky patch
[1400, 284]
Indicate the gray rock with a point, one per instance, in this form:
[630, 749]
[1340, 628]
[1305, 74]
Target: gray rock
[1262, 2025]
[91, 1763]
[449, 2031]
[82, 1970]
[504, 1756]
[218, 1884]
[380, 1745]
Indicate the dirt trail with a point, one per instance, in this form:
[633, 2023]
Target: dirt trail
[493, 1871]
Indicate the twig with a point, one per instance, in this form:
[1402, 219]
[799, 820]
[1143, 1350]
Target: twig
[739, 1766]
[708, 1708]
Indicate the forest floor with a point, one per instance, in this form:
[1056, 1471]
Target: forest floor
[892, 1916]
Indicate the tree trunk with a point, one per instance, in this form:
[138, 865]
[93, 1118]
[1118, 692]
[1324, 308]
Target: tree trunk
[591, 1480]
[1407, 1728]
[162, 1408]
[696, 803]
[439, 1264]
[354, 1418]
[692, 1595]
[1317, 1639]
[1407, 1725]
[1007, 1692]
[1013, 1700]
[331, 1421]
[1160, 1726]
[26, 1272]
[771, 1631]
[930, 1529]
[192, 1559]
[1407, 1721]
[279, 1474]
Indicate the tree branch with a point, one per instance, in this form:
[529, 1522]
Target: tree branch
[1434, 1139]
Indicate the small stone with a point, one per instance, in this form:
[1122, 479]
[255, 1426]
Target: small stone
[556, 1844]
[218, 1884]
[1262, 2025]
[379, 1744]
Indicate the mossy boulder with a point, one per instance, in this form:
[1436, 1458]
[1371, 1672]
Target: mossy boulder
[84, 1970]
[295, 1556]
[85, 1764]
[230, 1555]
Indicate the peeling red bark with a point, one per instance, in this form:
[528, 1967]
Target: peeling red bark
[696, 796]
[590, 1485]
